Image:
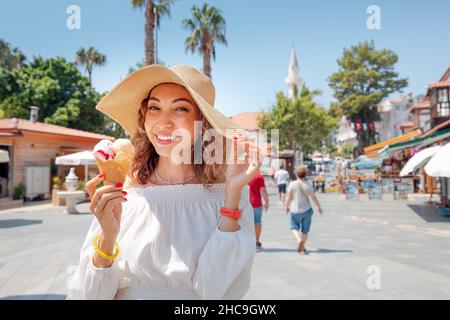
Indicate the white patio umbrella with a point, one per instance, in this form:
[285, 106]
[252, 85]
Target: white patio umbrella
[79, 158]
[4, 156]
[439, 165]
[419, 160]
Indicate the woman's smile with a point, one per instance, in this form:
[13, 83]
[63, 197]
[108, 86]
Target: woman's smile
[165, 139]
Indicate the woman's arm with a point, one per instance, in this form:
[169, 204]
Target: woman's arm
[232, 199]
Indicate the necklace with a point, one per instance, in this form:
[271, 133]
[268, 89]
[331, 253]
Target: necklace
[170, 182]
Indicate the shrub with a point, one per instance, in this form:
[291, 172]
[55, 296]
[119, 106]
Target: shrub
[19, 191]
[80, 185]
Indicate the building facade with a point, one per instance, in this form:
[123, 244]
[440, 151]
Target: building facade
[32, 147]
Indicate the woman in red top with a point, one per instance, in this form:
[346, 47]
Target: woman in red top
[258, 187]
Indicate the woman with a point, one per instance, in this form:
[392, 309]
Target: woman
[183, 230]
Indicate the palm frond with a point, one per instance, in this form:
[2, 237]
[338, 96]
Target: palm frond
[138, 3]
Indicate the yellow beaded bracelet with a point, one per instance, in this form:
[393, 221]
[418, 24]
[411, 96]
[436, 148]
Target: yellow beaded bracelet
[102, 253]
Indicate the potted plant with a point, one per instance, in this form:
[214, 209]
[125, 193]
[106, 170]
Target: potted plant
[80, 185]
[57, 185]
[19, 191]
[57, 182]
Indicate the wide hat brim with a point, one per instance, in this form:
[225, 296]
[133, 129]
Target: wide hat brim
[122, 103]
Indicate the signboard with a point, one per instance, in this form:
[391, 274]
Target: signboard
[388, 185]
[375, 191]
[366, 184]
[400, 190]
[351, 191]
[409, 182]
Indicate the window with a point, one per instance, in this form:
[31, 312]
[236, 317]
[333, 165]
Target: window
[443, 103]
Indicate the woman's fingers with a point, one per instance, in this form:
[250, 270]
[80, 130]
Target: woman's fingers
[112, 202]
[100, 191]
[91, 185]
[100, 207]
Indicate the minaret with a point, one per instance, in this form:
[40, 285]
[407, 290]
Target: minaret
[293, 77]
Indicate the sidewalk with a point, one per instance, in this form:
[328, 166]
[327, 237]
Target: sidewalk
[407, 242]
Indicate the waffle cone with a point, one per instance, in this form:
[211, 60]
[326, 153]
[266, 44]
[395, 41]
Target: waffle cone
[112, 170]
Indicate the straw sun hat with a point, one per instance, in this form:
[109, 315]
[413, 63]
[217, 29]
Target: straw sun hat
[123, 102]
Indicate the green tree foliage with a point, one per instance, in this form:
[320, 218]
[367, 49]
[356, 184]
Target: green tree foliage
[10, 58]
[302, 123]
[89, 58]
[57, 87]
[345, 151]
[365, 77]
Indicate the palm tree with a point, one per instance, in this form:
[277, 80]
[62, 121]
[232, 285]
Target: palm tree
[89, 58]
[207, 26]
[10, 58]
[154, 10]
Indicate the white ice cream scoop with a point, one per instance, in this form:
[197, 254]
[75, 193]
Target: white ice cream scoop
[103, 150]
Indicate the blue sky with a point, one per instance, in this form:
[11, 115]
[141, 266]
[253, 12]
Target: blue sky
[260, 33]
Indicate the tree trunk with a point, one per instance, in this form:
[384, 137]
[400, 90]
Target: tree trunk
[89, 67]
[149, 33]
[156, 39]
[90, 78]
[207, 63]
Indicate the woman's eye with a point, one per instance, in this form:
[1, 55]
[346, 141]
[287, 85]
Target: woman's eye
[183, 109]
[152, 108]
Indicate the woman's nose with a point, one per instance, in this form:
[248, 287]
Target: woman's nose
[164, 123]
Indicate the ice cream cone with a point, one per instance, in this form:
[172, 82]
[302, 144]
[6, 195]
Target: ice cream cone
[114, 159]
[112, 170]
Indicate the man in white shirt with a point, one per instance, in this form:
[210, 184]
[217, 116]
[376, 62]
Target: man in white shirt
[282, 178]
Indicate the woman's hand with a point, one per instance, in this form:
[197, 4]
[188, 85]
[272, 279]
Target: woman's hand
[106, 204]
[238, 175]
[240, 172]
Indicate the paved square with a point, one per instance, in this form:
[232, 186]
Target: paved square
[406, 244]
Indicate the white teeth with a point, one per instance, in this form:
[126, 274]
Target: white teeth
[167, 137]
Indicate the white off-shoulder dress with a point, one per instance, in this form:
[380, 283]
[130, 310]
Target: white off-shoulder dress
[171, 248]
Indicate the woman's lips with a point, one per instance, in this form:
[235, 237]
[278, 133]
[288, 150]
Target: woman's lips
[164, 142]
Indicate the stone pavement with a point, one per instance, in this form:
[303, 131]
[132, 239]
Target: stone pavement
[358, 250]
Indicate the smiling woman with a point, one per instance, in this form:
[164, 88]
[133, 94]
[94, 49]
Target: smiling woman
[167, 116]
[186, 231]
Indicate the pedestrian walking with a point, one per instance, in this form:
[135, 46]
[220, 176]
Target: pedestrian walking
[257, 192]
[272, 175]
[282, 177]
[298, 205]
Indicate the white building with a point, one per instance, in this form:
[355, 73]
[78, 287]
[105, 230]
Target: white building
[345, 134]
[394, 113]
[293, 78]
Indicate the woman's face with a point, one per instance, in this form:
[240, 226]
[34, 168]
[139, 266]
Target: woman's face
[170, 107]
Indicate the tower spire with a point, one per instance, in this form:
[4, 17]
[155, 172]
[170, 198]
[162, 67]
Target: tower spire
[293, 78]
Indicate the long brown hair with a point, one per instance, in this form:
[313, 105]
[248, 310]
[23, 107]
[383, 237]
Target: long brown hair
[146, 158]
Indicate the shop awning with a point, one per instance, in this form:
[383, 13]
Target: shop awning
[419, 142]
[418, 160]
[75, 159]
[439, 166]
[372, 151]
